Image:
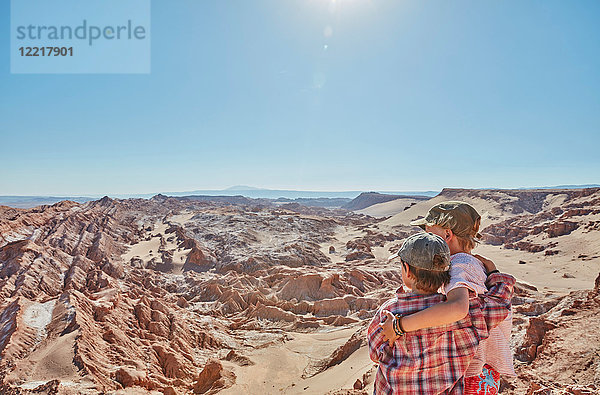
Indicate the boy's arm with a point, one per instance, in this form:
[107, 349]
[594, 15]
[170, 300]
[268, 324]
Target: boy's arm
[495, 304]
[455, 308]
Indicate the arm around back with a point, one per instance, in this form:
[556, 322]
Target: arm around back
[455, 308]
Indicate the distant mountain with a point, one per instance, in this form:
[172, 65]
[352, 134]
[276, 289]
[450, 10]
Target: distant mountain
[367, 199]
[569, 186]
[33, 201]
[237, 199]
[242, 200]
[307, 198]
[263, 193]
[257, 193]
[316, 202]
[243, 188]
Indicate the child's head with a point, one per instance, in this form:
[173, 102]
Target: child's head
[451, 220]
[425, 260]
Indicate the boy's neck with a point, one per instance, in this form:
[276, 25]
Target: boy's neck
[457, 249]
[418, 291]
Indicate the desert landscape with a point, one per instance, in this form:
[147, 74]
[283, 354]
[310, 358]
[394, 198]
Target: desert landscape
[232, 295]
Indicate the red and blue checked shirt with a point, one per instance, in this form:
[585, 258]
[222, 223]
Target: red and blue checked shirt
[434, 360]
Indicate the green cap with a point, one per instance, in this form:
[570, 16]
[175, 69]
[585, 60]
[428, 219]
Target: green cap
[460, 217]
[419, 250]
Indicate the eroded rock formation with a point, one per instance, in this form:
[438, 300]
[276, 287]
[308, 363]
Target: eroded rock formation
[146, 293]
[176, 295]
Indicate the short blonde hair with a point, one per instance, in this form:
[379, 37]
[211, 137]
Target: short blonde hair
[468, 240]
[460, 217]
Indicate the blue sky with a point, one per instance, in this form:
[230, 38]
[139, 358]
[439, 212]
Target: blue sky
[319, 95]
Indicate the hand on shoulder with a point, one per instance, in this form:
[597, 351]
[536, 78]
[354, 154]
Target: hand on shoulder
[387, 327]
[489, 265]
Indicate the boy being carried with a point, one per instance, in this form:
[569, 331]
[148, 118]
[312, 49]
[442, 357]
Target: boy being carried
[458, 224]
[433, 360]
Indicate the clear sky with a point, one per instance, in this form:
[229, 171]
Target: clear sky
[319, 95]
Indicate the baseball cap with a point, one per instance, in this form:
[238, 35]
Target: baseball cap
[420, 249]
[460, 217]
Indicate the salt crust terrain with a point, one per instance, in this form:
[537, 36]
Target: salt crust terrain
[180, 295]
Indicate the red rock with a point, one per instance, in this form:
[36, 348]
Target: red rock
[182, 302]
[339, 355]
[359, 256]
[49, 388]
[173, 366]
[359, 245]
[113, 269]
[199, 259]
[236, 357]
[213, 377]
[159, 329]
[143, 314]
[561, 228]
[534, 337]
[358, 385]
[130, 377]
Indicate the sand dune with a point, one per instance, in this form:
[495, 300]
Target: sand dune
[390, 208]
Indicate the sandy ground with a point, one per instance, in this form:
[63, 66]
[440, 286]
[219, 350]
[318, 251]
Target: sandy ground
[50, 361]
[551, 274]
[343, 234]
[341, 376]
[278, 369]
[148, 249]
[388, 208]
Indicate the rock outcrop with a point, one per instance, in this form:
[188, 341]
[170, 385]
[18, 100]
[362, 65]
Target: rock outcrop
[558, 346]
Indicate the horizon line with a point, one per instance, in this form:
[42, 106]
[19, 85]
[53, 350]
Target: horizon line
[237, 188]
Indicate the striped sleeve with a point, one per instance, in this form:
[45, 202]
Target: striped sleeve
[466, 272]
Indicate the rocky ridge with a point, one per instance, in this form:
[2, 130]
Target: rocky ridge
[153, 322]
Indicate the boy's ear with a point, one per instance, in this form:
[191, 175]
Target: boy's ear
[405, 267]
[448, 235]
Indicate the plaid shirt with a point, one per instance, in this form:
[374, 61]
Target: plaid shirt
[434, 360]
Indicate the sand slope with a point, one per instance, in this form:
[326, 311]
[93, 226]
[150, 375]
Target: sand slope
[387, 209]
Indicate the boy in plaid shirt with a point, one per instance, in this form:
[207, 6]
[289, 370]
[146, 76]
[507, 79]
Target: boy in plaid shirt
[432, 360]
